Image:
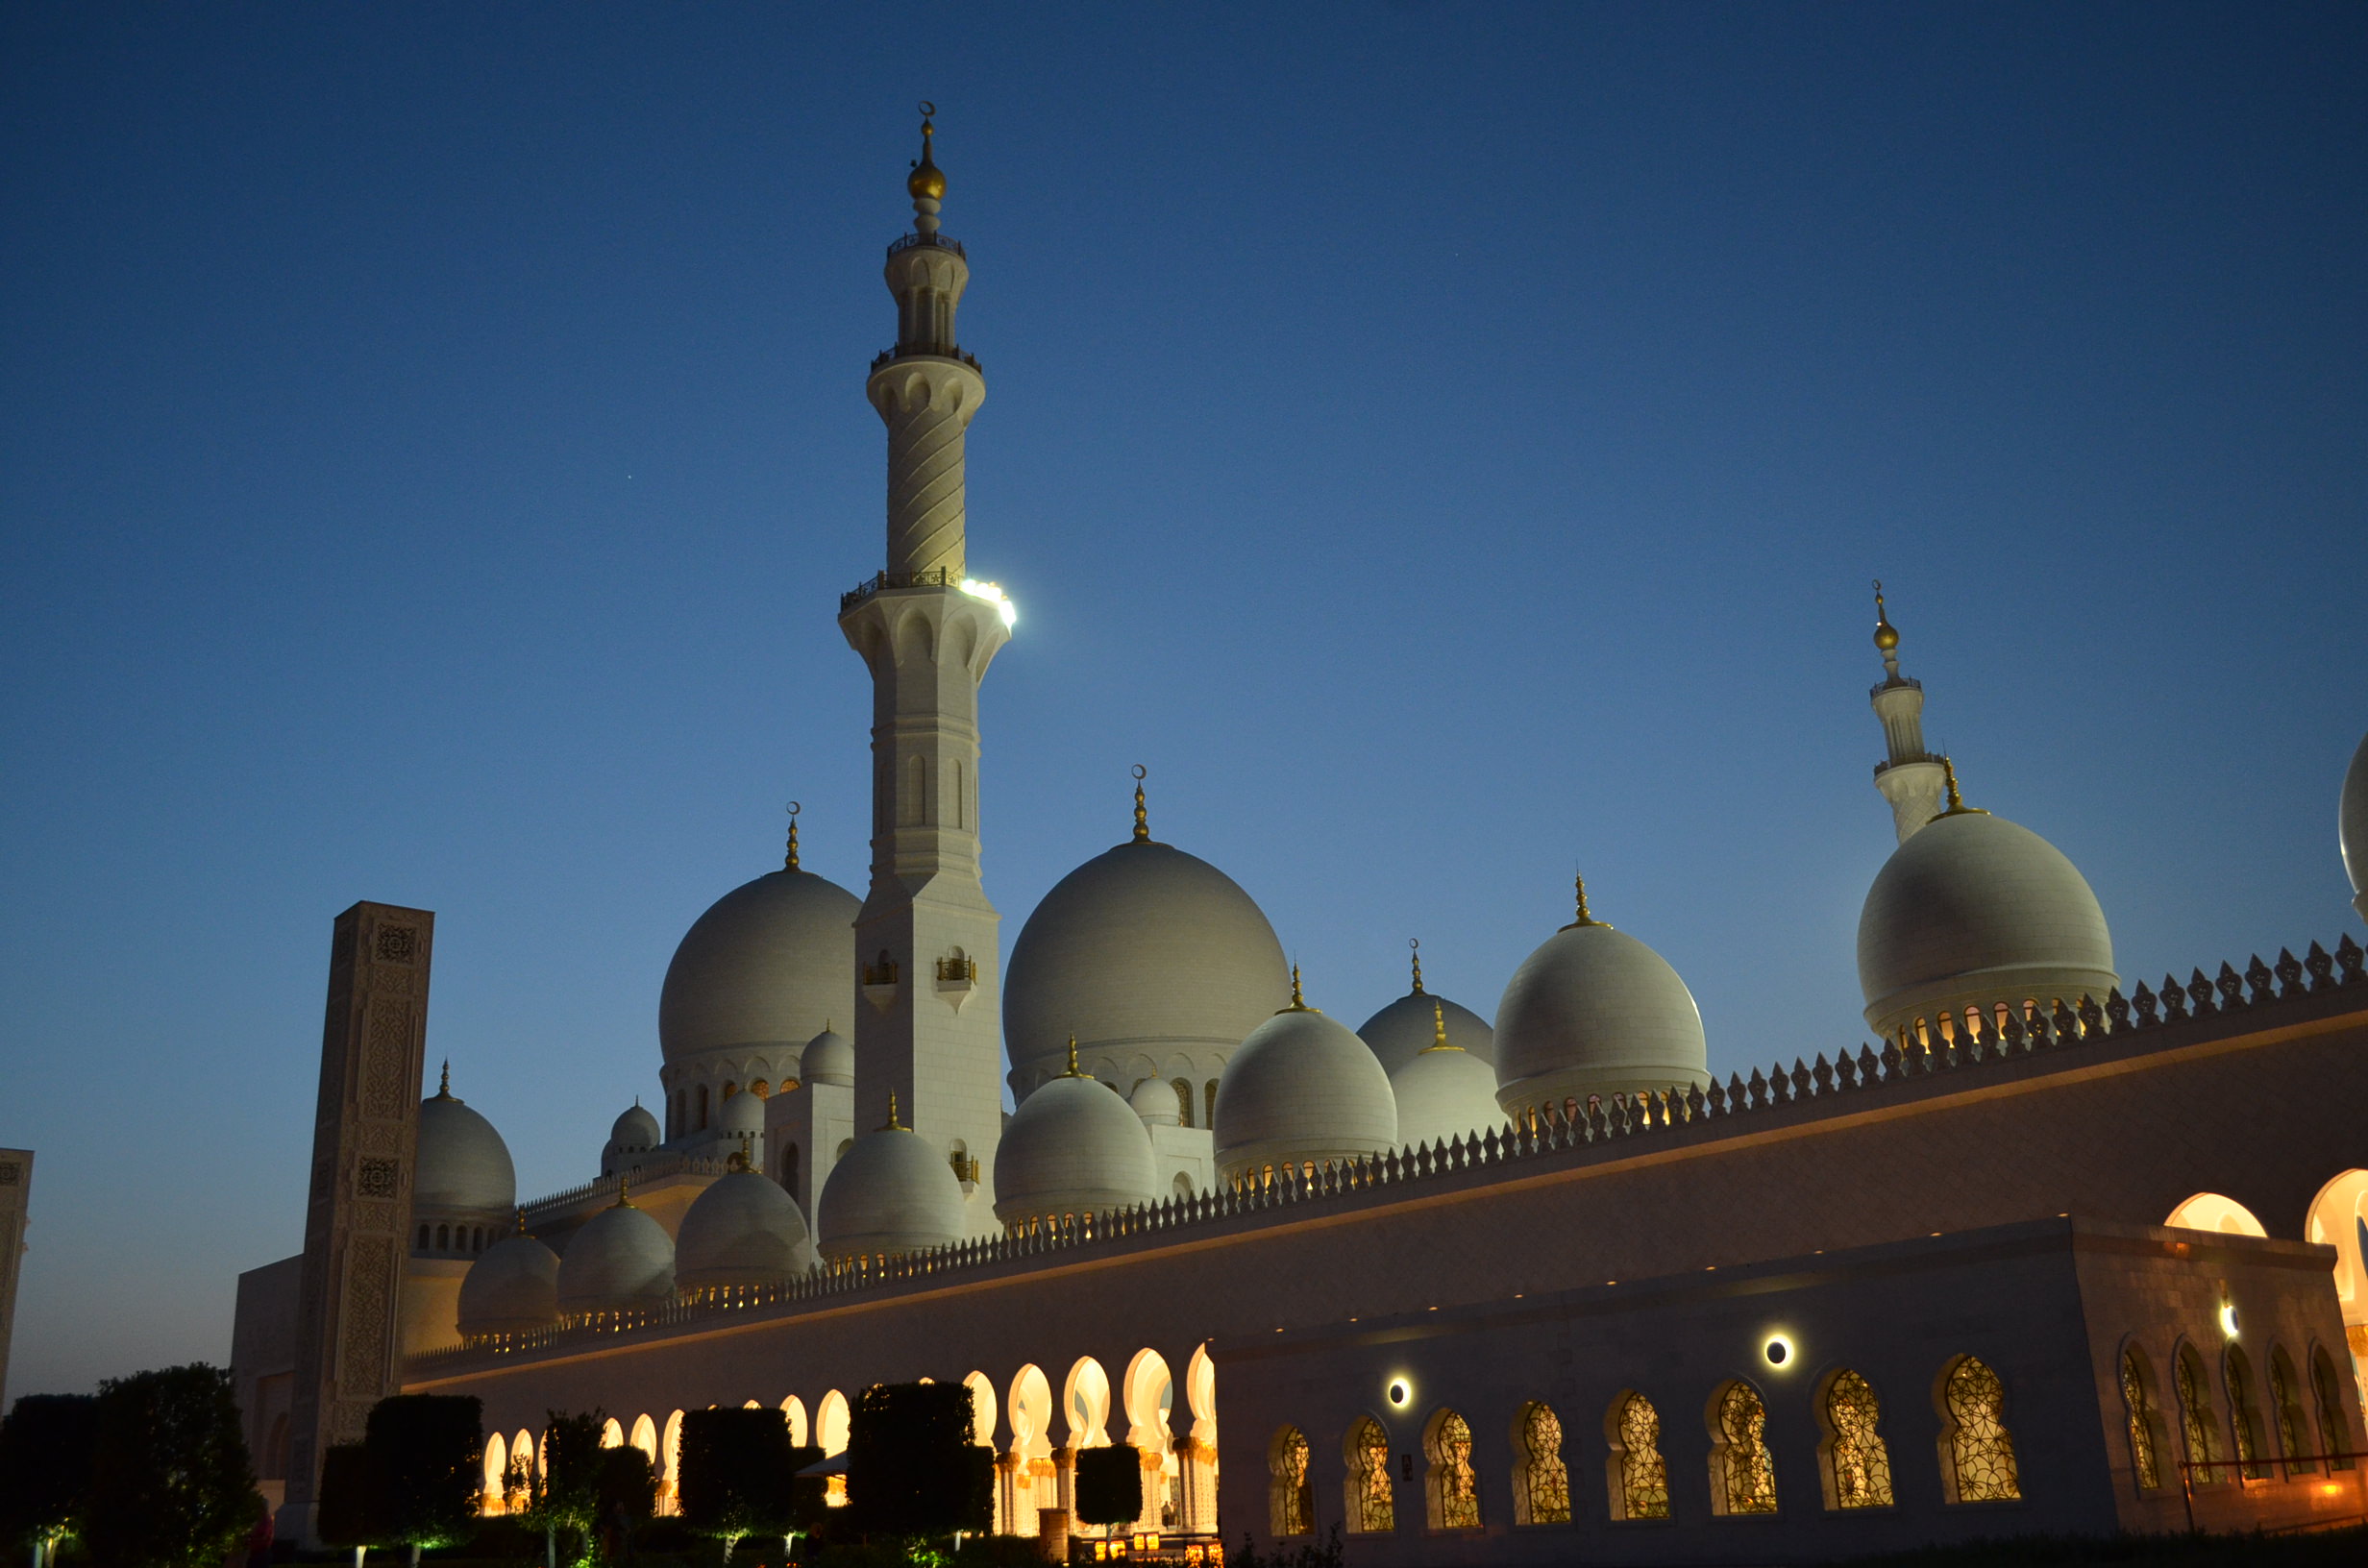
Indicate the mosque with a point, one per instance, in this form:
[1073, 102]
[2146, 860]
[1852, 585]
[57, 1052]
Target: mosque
[2048, 1248]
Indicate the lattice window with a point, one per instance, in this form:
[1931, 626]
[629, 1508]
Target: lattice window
[1183, 1101]
[2138, 1399]
[1372, 1508]
[2292, 1438]
[1455, 1487]
[1743, 1471]
[2195, 1415]
[1858, 1466]
[1640, 1475]
[1291, 1493]
[1980, 1450]
[2244, 1420]
[2334, 1426]
[1542, 1489]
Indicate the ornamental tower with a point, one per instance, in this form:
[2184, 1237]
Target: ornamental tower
[1910, 777]
[926, 938]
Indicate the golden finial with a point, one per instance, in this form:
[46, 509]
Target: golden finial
[789, 862]
[1298, 1003]
[444, 1085]
[738, 1159]
[1143, 819]
[1439, 1030]
[1887, 635]
[893, 1123]
[1074, 1071]
[625, 1197]
[522, 1220]
[1956, 806]
[1579, 882]
[1415, 943]
[928, 181]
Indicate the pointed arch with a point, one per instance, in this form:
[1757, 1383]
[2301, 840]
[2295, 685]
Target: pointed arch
[1854, 1462]
[1367, 1503]
[830, 1420]
[2286, 1410]
[2142, 1412]
[982, 1408]
[670, 1466]
[793, 1411]
[2333, 1398]
[1291, 1494]
[1451, 1486]
[1541, 1481]
[2244, 1413]
[1742, 1470]
[1977, 1450]
[2198, 1424]
[2212, 1211]
[1085, 1405]
[1635, 1471]
[495, 1470]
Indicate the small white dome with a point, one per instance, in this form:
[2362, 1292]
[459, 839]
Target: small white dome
[743, 1230]
[829, 1060]
[463, 1166]
[1301, 1088]
[622, 1257]
[635, 1132]
[1154, 1101]
[1443, 1092]
[512, 1287]
[2351, 826]
[1074, 1147]
[1593, 1011]
[742, 1116]
[1402, 1030]
[1973, 910]
[766, 967]
[892, 1192]
[1143, 951]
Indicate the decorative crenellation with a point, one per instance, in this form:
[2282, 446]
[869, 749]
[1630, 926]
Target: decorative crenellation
[1575, 1131]
[642, 1172]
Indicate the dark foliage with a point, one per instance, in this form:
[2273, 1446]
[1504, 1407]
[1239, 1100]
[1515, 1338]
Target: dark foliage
[171, 1483]
[1320, 1554]
[351, 1512]
[734, 1472]
[2326, 1549]
[1110, 1485]
[625, 1488]
[911, 1466]
[46, 1445]
[427, 1458]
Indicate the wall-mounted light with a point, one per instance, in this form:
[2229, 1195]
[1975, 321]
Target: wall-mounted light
[1400, 1391]
[2228, 1318]
[1778, 1349]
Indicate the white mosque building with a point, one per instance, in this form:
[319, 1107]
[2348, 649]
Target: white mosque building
[2059, 1249]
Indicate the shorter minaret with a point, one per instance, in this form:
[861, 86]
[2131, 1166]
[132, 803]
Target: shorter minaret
[1910, 777]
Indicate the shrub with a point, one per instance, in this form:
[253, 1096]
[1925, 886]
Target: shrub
[171, 1483]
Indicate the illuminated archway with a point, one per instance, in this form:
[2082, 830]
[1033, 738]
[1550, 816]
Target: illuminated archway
[2338, 1218]
[2210, 1212]
[613, 1435]
[645, 1438]
[982, 1408]
[793, 1410]
[1029, 1480]
[1085, 1405]
[496, 1473]
[830, 1423]
[1148, 1400]
[1197, 1448]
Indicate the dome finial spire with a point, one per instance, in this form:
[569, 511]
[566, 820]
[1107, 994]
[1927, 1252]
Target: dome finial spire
[1578, 883]
[1415, 945]
[1298, 1002]
[624, 1196]
[1887, 635]
[1439, 1029]
[1956, 806]
[522, 1220]
[444, 1084]
[1142, 818]
[789, 861]
[927, 185]
[893, 1124]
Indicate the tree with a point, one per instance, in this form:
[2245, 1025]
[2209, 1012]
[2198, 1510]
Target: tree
[911, 1467]
[1110, 1485]
[45, 1449]
[626, 1494]
[171, 1483]
[563, 1491]
[736, 1474]
[350, 1509]
[427, 1461]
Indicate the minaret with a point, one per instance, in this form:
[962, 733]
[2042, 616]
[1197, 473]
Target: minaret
[1910, 777]
[929, 1039]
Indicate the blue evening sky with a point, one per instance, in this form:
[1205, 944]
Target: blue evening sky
[1445, 443]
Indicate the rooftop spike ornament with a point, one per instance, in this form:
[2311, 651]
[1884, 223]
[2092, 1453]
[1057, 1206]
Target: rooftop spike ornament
[624, 1196]
[1074, 1072]
[1439, 1032]
[1298, 1003]
[1142, 818]
[1956, 806]
[1887, 635]
[789, 861]
[444, 1085]
[893, 1125]
[1585, 918]
[927, 185]
[1415, 945]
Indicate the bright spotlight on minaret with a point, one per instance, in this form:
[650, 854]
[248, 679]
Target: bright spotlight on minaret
[994, 596]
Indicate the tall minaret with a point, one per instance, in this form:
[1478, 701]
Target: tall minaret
[1910, 777]
[925, 940]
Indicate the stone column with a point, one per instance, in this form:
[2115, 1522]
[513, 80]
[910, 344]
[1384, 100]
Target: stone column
[364, 1134]
[15, 1197]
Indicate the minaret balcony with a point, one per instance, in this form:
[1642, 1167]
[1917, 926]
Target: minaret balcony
[940, 578]
[915, 351]
[879, 982]
[908, 242]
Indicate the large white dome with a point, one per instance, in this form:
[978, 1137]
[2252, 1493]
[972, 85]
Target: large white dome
[828, 1059]
[2352, 826]
[1402, 1030]
[1154, 959]
[1301, 1088]
[1074, 1147]
[891, 1192]
[761, 973]
[1593, 1011]
[743, 1230]
[1443, 1092]
[513, 1287]
[1973, 910]
[622, 1257]
[463, 1166]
